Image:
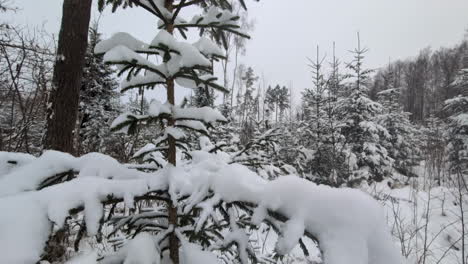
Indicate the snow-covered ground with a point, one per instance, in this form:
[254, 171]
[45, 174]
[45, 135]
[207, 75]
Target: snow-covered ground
[426, 224]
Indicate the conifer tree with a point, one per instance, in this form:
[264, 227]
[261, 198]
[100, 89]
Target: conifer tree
[188, 65]
[98, 100]
[457, 110]
[402, 144]
[319, 133]
[248, 101]
[367, 159]
[283, 101]
[203, 97]
[271, 99]
[277, 100]
[336, 78]
[335, 139]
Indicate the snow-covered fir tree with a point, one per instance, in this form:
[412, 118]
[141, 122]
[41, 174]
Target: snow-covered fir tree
[366, 157]
[190, 66]
[457, 109]
[99, 100]
[402, 143]
[247, 100]
[318, 133]
[203, 97]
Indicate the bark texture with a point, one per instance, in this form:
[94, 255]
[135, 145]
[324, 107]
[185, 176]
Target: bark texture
[62, 109]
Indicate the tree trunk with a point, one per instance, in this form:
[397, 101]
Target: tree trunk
[172, 209]
[63, 102]
[234, 79]
[276, 114]
[225, 65]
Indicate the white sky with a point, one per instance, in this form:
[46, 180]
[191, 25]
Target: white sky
[288, 31]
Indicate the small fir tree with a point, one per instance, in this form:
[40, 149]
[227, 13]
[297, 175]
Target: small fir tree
[190, 66]
[98, 100]
[366, 157]
[402, 143]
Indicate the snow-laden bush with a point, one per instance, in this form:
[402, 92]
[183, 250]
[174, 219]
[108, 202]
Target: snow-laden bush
[212, 196]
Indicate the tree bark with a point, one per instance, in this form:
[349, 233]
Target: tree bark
[63, 100]
[172, 208]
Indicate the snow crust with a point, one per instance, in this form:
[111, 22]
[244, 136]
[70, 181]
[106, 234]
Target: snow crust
[217, 16]
[194, 84]
[85, 258]
[122, 55]
[120, 39]
[29, 176]
[32, 174]
[348, 223]
[190, 117]
[164, 39]
[122, 49]
[208, 47]
[10, 161]
[120, 120]
[24, 228]
[150, 79]
[142, 250]
[194, 254]
[205, 114]
[144, 150]
[157, 108]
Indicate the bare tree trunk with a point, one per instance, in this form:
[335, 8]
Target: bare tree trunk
[63, 102]
[234, 77]
[460, 184]
[276, 110]
[225, 78]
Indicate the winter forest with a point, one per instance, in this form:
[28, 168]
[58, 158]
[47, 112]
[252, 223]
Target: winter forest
[176, 150]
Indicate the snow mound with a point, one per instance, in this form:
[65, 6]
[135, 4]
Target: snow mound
[10, 161]
[348, 223]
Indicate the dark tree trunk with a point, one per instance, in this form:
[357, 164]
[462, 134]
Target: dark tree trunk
[172, 208]
[63, 101]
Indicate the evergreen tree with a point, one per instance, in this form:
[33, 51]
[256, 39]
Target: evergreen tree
[335, 139]
[248, 107]
[203, 97]
[366, 157]
[277, 100]
[283, 101]
[270, 99]
[402, 143]
[319, 133]
[336, 78]
[314, 101]
[248, 103]
[190, 66]
[457, 109]
[98, 100]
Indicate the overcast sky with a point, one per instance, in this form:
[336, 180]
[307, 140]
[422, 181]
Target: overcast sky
[288, 31]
